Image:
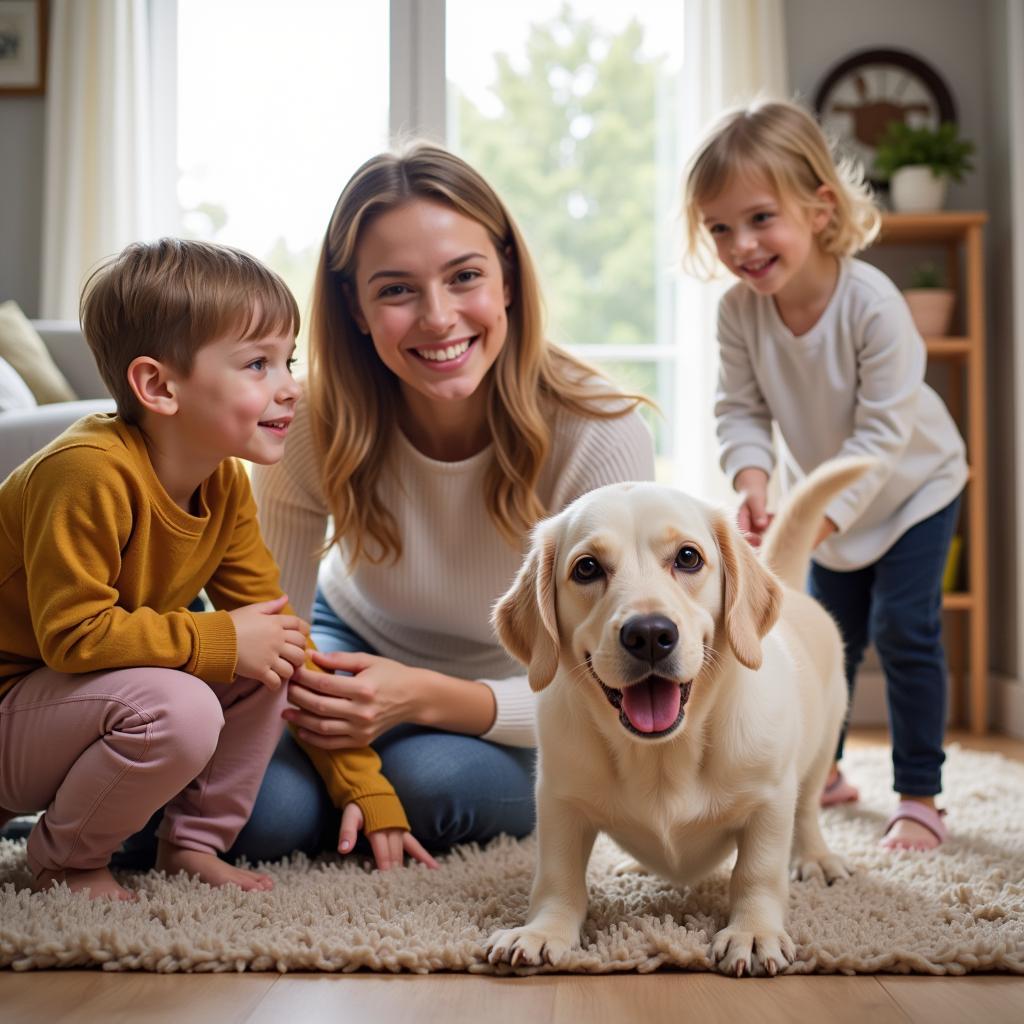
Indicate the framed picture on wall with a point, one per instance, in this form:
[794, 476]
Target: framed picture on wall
[22, 47]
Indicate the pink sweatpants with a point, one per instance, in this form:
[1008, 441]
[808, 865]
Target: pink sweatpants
[101, 751]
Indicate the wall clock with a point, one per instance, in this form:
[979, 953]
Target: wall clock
[862, 94]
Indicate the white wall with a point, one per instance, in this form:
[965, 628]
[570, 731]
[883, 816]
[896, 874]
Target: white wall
[21, 199]
[950, 35]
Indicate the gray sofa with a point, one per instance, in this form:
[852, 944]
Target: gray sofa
[24, 431]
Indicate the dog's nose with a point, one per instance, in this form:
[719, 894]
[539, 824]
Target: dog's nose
[649, 637]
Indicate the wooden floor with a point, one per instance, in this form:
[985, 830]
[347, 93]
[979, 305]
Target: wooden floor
[84, 997]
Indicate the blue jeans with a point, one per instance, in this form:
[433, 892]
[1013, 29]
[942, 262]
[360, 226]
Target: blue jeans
[454, 788]
[896, 602]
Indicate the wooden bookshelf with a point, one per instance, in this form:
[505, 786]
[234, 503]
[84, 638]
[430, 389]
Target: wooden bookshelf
[959, 234]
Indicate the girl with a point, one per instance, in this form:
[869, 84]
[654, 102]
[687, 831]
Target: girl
[441, 425]
[822, 345]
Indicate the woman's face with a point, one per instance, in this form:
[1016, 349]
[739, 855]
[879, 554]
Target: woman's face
[430, 292]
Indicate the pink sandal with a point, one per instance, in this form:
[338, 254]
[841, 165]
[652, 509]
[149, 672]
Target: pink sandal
[839, 791]
[929, 817]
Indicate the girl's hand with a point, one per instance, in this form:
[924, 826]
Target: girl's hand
[389, 845]
[825, 531]
[335, 712]
[752, 517]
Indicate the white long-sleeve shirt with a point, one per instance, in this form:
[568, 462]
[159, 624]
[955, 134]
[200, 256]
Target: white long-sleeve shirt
[432, 608]
[852, 385]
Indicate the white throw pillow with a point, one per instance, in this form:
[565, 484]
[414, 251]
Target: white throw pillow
[14, 392]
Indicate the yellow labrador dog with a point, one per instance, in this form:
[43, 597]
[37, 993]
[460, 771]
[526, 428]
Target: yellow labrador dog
[691, 696]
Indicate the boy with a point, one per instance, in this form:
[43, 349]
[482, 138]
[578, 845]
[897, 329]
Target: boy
[115, 699]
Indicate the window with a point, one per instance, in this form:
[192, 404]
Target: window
[277, 105]
[574, 113]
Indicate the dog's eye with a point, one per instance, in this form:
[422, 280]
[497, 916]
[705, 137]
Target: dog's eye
[587, 569]
[688, 559]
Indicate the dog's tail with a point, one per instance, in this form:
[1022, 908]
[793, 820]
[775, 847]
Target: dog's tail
[790, 538]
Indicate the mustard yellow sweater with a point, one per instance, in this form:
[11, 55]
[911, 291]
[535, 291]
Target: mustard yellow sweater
[97, 565]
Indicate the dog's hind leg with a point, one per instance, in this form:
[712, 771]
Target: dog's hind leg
[629, 866]
[811, 857]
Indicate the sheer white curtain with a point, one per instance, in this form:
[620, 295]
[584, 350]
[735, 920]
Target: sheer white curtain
[109, 158]
[735, 50]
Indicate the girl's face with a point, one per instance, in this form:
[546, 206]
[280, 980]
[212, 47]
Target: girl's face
[766, 243]
[430, 292]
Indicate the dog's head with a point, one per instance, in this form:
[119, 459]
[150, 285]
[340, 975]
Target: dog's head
[635, 591]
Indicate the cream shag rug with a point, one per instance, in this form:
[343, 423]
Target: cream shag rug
[956, 910]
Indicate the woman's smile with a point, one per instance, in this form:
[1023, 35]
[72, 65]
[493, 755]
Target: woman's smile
[446, 356]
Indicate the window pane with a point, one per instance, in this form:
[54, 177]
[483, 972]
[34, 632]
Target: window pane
[278, 103]
[572, 116]
[654, 378]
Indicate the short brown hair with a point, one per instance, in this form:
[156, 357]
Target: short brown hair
[782, 142]
[167, 299]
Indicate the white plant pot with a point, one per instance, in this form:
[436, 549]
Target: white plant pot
[914, 189]
[931, 310]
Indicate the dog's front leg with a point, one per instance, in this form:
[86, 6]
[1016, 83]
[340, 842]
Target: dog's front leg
[558, 902]
[755, 938]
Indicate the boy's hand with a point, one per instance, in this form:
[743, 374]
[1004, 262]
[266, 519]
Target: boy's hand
[388, 844]
[270, 646]
[752, 517]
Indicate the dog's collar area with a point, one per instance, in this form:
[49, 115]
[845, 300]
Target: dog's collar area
[615, 698]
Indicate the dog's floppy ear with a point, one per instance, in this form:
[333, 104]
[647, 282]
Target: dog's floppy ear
[752, 595]
[525, 617]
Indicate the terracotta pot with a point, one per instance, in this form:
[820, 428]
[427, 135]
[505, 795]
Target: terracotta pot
[914, 189]
[931, 309]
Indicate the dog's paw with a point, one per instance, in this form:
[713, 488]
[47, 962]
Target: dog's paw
[528, 947]
[825, 867]
[740, 952]
[628, 866]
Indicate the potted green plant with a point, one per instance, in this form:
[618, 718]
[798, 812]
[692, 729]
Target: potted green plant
[930, 302]
[920, 162]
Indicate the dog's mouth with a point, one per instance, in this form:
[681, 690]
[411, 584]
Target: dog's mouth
[651, 708]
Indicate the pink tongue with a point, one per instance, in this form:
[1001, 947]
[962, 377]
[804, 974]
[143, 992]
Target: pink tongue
[653, 705]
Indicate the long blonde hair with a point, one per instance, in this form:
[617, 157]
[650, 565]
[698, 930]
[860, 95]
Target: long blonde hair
[354, 398]
[784, 144]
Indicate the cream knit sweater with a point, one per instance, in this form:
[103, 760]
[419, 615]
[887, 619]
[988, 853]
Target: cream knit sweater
[852, 385]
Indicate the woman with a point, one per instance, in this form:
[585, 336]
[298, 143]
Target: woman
[440, 426]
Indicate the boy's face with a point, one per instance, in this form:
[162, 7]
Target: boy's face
[239, 398]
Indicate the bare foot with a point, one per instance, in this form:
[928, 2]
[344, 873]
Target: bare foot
[96, 883]
[209, 868]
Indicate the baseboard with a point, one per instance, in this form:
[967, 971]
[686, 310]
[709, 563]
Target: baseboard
[1006, 713]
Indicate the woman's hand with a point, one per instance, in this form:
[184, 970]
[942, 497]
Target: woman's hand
[388, 844]
[335, 712]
